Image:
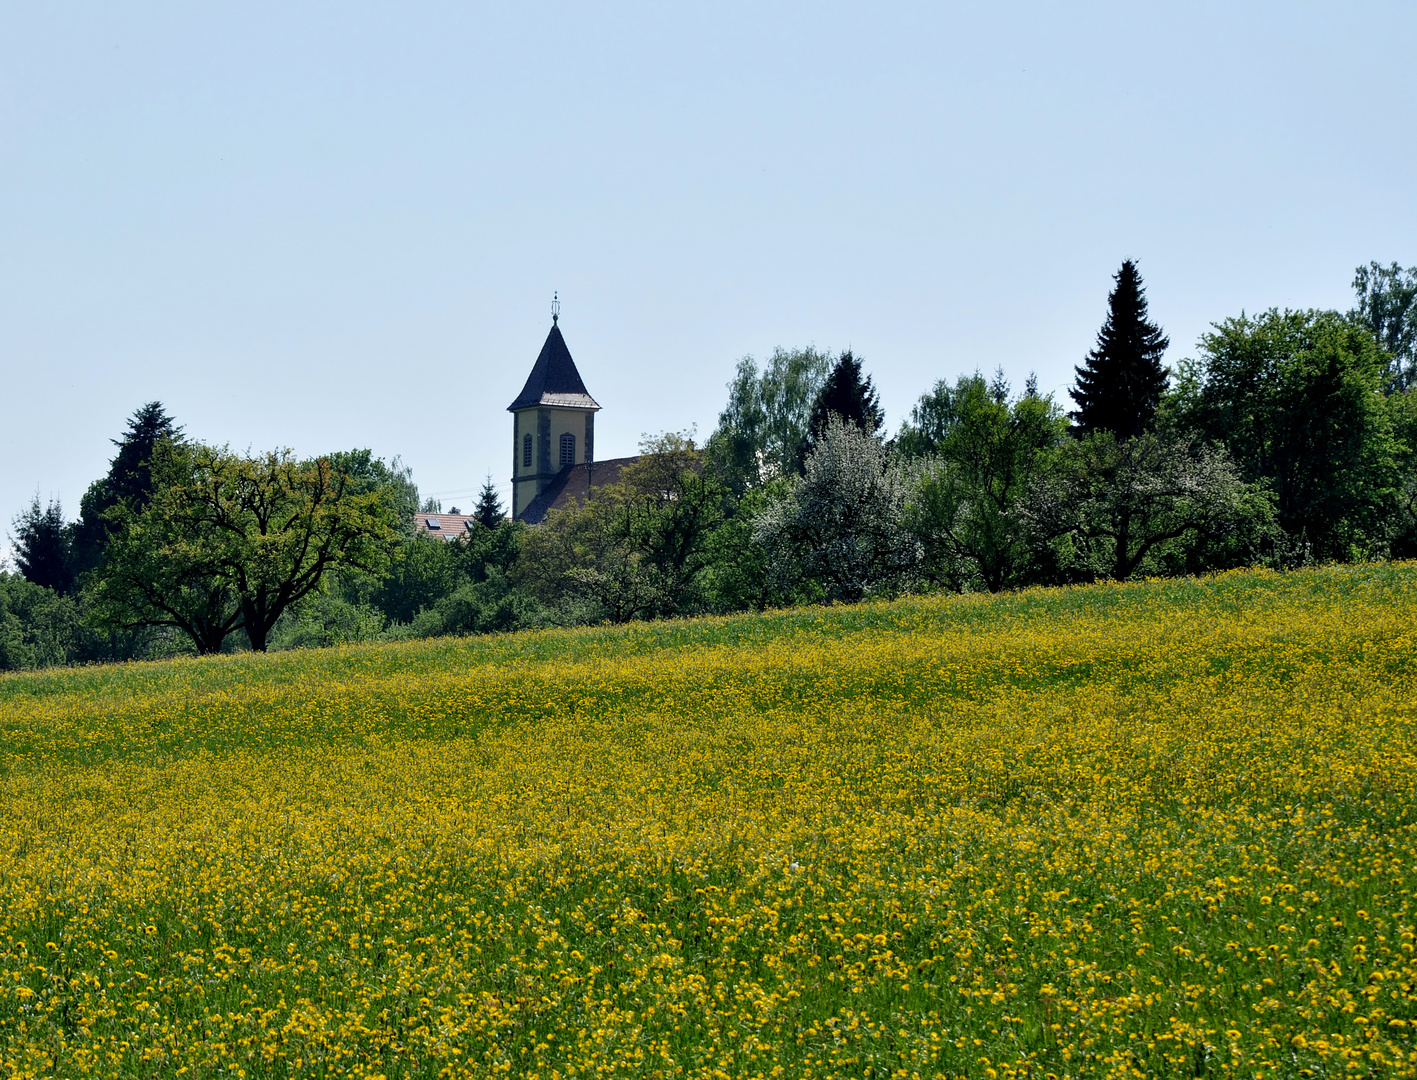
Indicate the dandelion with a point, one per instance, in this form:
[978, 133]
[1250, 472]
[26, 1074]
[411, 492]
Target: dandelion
[1144, 829]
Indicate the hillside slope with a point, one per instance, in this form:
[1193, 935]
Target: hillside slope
[1159, 828]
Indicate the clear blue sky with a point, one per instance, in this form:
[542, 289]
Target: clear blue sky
[330, 226]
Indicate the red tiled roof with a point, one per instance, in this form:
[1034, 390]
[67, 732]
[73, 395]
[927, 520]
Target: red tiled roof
[447, 526]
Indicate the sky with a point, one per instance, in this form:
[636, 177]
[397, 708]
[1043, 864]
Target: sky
[329, 226]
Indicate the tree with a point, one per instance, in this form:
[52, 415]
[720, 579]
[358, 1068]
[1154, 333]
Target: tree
[413, 596]
[488, 511]
[847, 395]
[38, 627]
[965, 494]
[433, 586]
[43, 547]
[129, 481]
[392, 479]
[762, 431]
[638, 548]
[1121, 382]
[485, 598]
[665, 508]
[1402, 523]
[1120, 501]
[933, 418]
[929, 424]
[227, 542]
[839, 525]
[1295, 398]
[1387, 305]
[555, 556]
[738, 576]
[421, 572]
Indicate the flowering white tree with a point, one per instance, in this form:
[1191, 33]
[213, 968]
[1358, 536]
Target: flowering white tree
[840, 524]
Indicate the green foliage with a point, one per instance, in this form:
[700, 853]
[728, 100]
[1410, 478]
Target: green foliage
[556, 556]
[1402, 524]
[227, 542]
[737, 577]
[38, 627]
[762, 432]
[489, 511]
[1387, 306]
[639, 548]
[1120, 384]
[484, 598]
[422, 571]
[129, 481]
[44, 547]
[849, 395]
[1110, 507]
[1295, 397]
[965, 497]
[328, 616]
[392, 481]
[431, 587]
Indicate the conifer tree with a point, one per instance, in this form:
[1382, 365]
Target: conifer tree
[848, 395]
[489, 510]
[1120, 383]
[42, 547]
[129, 481]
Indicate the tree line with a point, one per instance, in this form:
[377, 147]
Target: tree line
[1289, 438]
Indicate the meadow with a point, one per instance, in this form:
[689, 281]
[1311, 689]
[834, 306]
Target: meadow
[1155, 829]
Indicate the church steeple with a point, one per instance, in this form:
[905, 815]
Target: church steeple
[554, 379]
[553, 420]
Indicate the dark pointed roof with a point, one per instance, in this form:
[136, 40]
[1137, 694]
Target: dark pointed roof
[554, 379]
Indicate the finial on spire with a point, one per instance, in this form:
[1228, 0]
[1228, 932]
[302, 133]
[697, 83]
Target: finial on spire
[555, 308]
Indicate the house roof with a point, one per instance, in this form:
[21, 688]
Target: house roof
[447, 526]
[572, 485]
[554, 379]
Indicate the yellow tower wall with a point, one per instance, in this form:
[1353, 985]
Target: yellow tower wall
[546, 425]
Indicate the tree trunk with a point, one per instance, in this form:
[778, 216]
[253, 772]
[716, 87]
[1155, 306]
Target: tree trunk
[258, 622]
[257, 631]
[208, 639]
[1121, 568]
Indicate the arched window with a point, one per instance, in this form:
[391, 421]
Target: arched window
[526, 451]
[568, 449]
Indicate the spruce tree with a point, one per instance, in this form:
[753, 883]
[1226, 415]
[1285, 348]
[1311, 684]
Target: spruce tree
[1120, 383]
[489, 510]
[42, 547]
[848, 395]
[130, 477]
[129, 480]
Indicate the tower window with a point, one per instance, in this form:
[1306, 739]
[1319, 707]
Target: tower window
[568, 449]
[526, 451]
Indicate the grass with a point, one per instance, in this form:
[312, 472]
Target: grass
[1153, 829]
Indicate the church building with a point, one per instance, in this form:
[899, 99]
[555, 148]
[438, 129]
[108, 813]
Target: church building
[553, 435]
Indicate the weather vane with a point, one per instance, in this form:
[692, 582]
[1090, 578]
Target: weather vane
[555, 308]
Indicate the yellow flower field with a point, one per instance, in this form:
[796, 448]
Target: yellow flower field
[1163, 829]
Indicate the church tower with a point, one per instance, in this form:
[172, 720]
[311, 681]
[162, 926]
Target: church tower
[553, 420]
